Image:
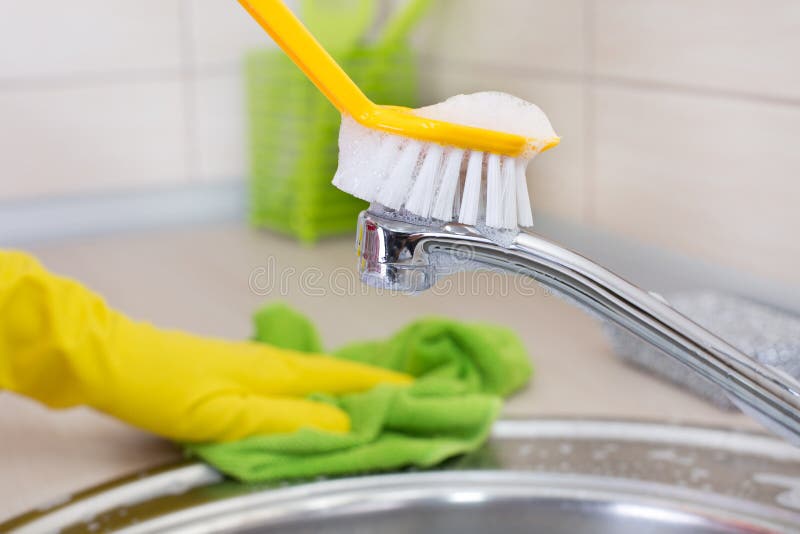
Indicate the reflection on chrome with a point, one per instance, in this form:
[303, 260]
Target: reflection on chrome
[411, 256]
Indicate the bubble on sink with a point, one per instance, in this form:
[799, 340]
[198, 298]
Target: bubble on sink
[177, 487]
[671, 456]
[697, 474]
[52, 503]
[87, 516]
[790, 498]
[602, 453]
[720, 456]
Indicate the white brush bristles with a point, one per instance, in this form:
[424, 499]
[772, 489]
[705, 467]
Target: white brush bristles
[433, 181]
[444, 207]
[420, 200]
[524, 212]
[509, 208]
[494, 191]
[393, 191]
[471, 199]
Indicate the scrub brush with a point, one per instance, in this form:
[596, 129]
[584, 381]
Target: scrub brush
[412, 160]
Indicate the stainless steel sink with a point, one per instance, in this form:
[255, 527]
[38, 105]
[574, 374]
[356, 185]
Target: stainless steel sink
[548, 476]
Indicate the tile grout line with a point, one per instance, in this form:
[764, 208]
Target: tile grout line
[511, 70]
[691, 90]
[90, 79]
[93, 79]
[97, 79]
[613, 81]
[189, 90]
[589, 108]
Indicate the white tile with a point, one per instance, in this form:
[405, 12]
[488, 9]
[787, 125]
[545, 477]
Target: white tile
[533, 34]
[740, 45]
[83, 139]
[220, 128]
[714, 178]
[556, 177]
[223, 32]
[54, 38]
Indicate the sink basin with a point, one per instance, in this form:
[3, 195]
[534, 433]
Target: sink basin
[548, 476]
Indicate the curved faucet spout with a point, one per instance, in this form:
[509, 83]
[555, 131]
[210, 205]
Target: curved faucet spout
[396, 254]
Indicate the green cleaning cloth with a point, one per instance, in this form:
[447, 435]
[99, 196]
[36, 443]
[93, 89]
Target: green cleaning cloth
[463, 371]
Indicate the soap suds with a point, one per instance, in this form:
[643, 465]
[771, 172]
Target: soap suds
[493, 110]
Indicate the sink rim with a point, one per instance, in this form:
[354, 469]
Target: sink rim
[380, 492]
[176, 479]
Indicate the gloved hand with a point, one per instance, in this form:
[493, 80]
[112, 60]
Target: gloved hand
[61, 344]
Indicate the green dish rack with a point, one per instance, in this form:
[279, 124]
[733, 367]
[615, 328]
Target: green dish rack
[293, 129]
[293, 138]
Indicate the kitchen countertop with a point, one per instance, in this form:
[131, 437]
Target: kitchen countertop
[209, 279]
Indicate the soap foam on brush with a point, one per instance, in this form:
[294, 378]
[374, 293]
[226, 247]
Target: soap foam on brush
[446, 183]
[493, 110]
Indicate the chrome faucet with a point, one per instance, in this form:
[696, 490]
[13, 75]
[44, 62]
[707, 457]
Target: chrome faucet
[403, 254]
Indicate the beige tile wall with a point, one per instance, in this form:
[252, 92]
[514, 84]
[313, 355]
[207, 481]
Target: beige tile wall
[678, 117]
[528, 34]
[736, 46]
[99, 96]
[678, 170]
[80, 138]
[51, 38]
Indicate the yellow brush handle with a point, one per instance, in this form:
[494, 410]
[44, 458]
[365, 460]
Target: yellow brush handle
[298, 43]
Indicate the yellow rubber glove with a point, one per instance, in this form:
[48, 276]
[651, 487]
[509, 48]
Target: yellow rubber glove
[61, 344]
